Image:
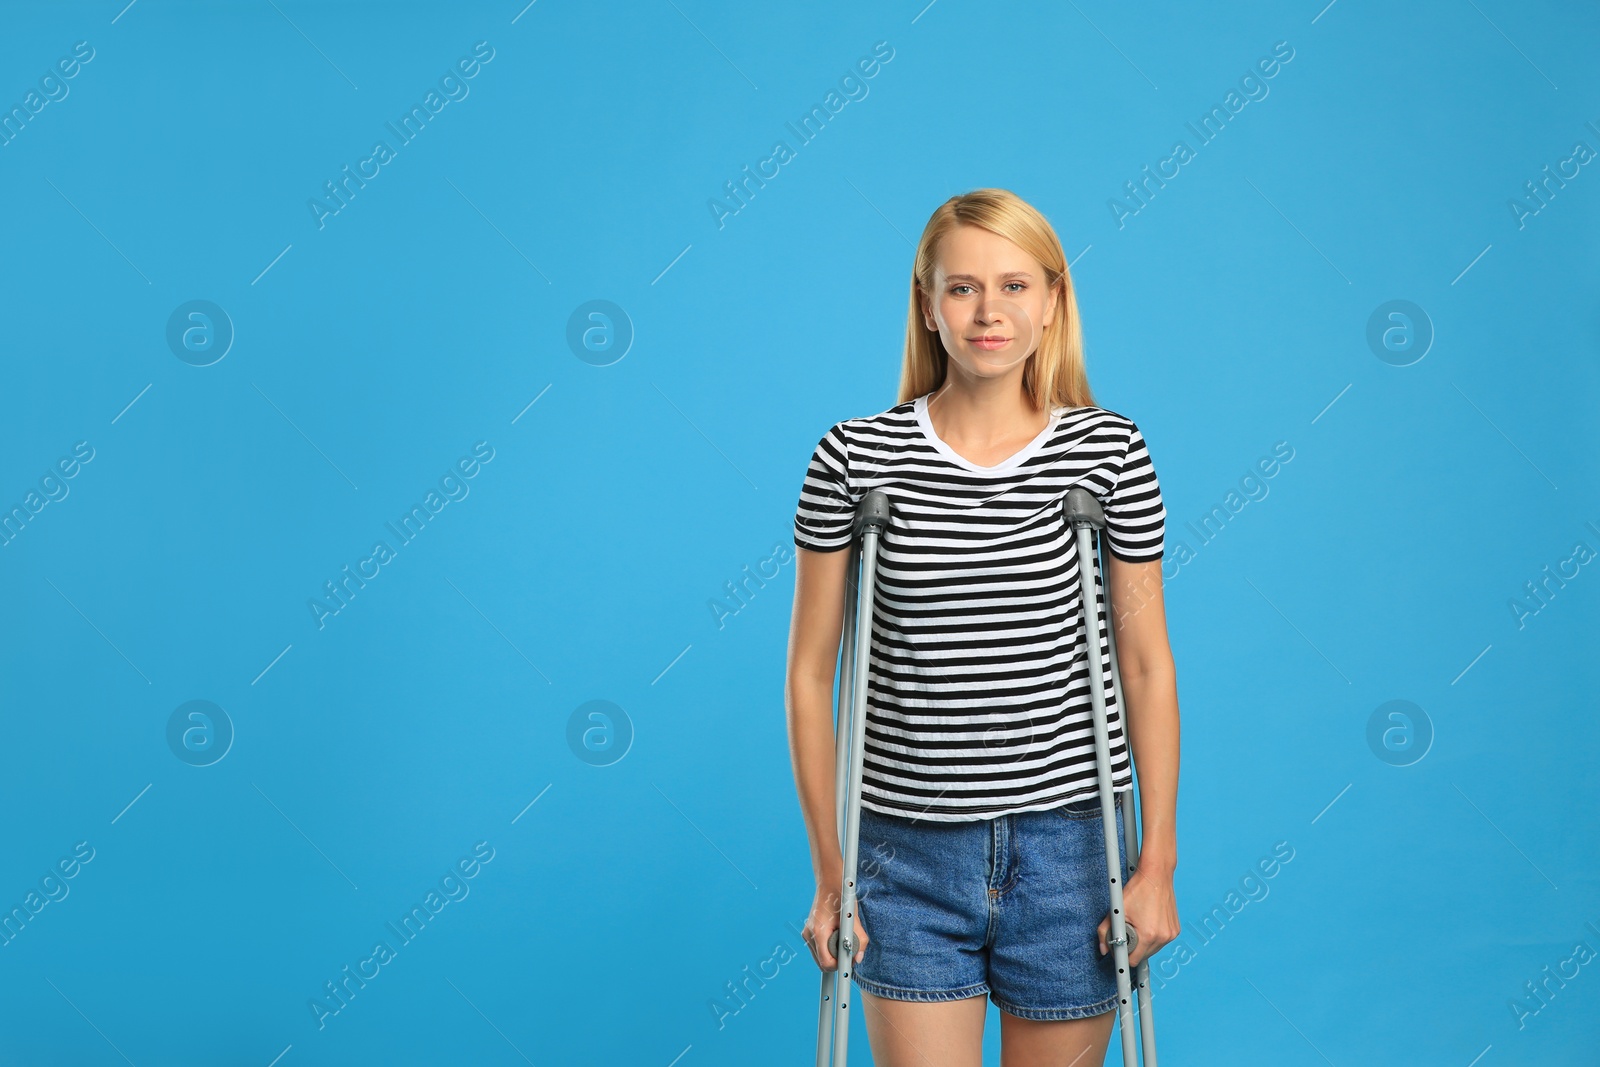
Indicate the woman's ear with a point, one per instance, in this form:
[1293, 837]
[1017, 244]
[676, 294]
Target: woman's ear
[1055, 302]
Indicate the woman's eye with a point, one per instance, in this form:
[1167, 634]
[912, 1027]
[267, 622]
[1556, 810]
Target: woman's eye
[956, 289]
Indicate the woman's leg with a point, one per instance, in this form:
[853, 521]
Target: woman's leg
[1065, 1043]
[932, 1033]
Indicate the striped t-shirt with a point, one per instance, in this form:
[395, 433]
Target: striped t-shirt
[978, 687]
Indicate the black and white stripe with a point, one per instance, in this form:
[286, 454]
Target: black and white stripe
[978, 691]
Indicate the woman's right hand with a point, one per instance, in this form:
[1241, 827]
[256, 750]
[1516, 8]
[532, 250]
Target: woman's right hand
[823, 923]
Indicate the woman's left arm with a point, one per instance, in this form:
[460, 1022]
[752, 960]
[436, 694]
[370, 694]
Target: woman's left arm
[1150, 709]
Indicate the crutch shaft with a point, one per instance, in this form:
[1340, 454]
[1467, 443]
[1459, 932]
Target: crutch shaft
[872, 518]
[1084, 517]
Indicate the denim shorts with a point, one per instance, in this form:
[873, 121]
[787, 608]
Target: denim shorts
[1007, 907]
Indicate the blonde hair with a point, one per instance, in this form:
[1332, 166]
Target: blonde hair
[1054, 373]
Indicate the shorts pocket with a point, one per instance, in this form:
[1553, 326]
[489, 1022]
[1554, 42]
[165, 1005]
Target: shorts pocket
[1088, 808]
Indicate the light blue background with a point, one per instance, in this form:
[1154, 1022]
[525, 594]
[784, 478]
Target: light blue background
[432, 312]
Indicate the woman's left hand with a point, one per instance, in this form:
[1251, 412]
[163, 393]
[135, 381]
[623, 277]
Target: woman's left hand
[1150, 908]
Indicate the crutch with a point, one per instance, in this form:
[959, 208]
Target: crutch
[1083, 513]
[850, 728]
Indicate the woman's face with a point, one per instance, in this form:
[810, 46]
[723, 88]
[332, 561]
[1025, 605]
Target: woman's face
[985, 287]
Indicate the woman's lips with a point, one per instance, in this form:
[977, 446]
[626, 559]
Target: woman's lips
[990, 342]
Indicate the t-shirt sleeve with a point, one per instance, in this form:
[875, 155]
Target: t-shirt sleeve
[1135, 517]
[825, 516]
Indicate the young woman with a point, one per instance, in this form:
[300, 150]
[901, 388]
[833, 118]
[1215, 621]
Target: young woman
[983, 865]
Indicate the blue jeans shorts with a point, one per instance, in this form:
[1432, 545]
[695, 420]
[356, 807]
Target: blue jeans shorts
[1007, 907]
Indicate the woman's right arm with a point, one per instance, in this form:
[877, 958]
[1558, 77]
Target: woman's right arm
[814, 633]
